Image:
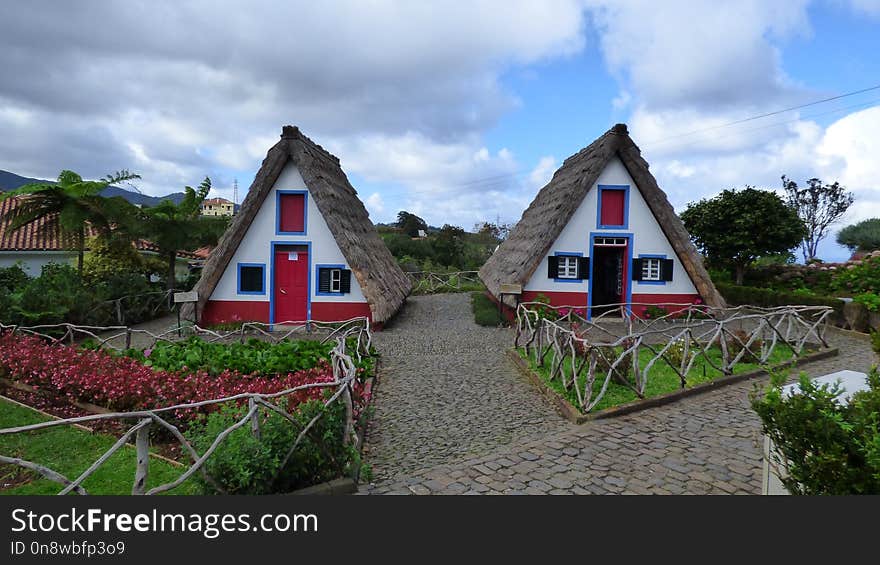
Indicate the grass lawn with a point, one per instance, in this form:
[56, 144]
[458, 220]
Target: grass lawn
[486, 311]
[70, 451]
[662, 378]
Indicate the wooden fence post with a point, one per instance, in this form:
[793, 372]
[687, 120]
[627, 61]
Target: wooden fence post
[142, 444]
[255, 418]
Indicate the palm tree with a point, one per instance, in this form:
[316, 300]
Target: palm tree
[76, 203]
[174, 227]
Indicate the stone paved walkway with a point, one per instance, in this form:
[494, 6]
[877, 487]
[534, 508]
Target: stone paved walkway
[705, 444]
[447, 391]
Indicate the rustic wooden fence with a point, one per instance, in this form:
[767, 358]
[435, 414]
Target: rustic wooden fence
[352, 340]
[431, 283]
[584, 354]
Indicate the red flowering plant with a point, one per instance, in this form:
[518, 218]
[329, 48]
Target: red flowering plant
[122, 383]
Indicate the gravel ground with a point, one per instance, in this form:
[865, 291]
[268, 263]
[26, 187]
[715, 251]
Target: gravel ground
[447, 391]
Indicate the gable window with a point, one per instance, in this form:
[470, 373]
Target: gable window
[568, 267]
[613, 209]
[251, 278]
[651, 269]
[333, 280]
[292, 212]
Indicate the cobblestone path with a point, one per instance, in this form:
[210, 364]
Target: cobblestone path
[447, 391]
[705, 444]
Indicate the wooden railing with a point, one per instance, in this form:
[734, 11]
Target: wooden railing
[585, 353]
[430, 283]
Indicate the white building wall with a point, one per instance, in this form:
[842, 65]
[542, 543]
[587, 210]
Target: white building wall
[256, 246]
[32, 261]
[648, 238]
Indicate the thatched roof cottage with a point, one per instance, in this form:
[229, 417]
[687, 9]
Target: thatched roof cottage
[302, 247]
[602, 232]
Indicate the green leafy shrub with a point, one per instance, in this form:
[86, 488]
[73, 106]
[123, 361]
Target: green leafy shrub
[253, 356]
[12, 278]
[675, 354]
[830, 447]
[243, 464]
[652, 312]
[870, 300]
[607, 356]
[57, 295]
[543, 309]
[859, 278]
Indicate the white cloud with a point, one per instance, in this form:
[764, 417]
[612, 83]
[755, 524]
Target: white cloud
[375, 205]
[870, 7]
[708, 54]
[199, 87]
[543, 171]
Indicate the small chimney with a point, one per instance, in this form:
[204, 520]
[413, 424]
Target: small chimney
[620, 129]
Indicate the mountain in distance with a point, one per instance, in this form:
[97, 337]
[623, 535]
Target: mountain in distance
[11, 181]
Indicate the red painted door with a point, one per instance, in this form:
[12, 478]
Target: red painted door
[291, 284]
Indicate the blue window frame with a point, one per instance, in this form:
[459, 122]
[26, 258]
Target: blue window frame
[659, 269]
[250, 277]
[278, 195]
[568, 254]
[625, 189]
[318, 268]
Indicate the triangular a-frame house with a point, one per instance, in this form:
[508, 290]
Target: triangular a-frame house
[302, 247]
[601, 232]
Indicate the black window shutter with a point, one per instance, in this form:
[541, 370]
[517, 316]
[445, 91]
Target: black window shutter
[323, 280]
[552, 267]
[666, 269]
[345, 281]
[583, 267]
[637, 269]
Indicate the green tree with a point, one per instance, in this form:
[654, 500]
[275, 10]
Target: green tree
[410, 224]
[819, 205]
[863, 236]
[175, 227]
[737, 227]
[449, 245]
[76, 203]
[111, 256]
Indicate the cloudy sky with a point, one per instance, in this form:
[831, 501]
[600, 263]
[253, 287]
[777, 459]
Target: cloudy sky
[456, 111]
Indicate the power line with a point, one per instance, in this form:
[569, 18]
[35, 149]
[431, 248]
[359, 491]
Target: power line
[499, 179]
[868, 104]
[775, 112]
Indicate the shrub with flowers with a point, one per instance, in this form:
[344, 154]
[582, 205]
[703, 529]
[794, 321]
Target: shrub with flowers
[122, 383]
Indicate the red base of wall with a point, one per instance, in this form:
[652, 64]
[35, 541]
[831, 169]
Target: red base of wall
[664, 299]
[222, 311]
[337, 311]
[579, 299]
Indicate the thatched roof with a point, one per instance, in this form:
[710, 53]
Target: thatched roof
[522, 252]
[382, 281]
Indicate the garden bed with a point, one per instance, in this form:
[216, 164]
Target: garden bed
[74, 381]
[664, 385]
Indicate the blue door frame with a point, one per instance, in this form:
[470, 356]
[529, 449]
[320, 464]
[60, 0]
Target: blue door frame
[627, 281]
